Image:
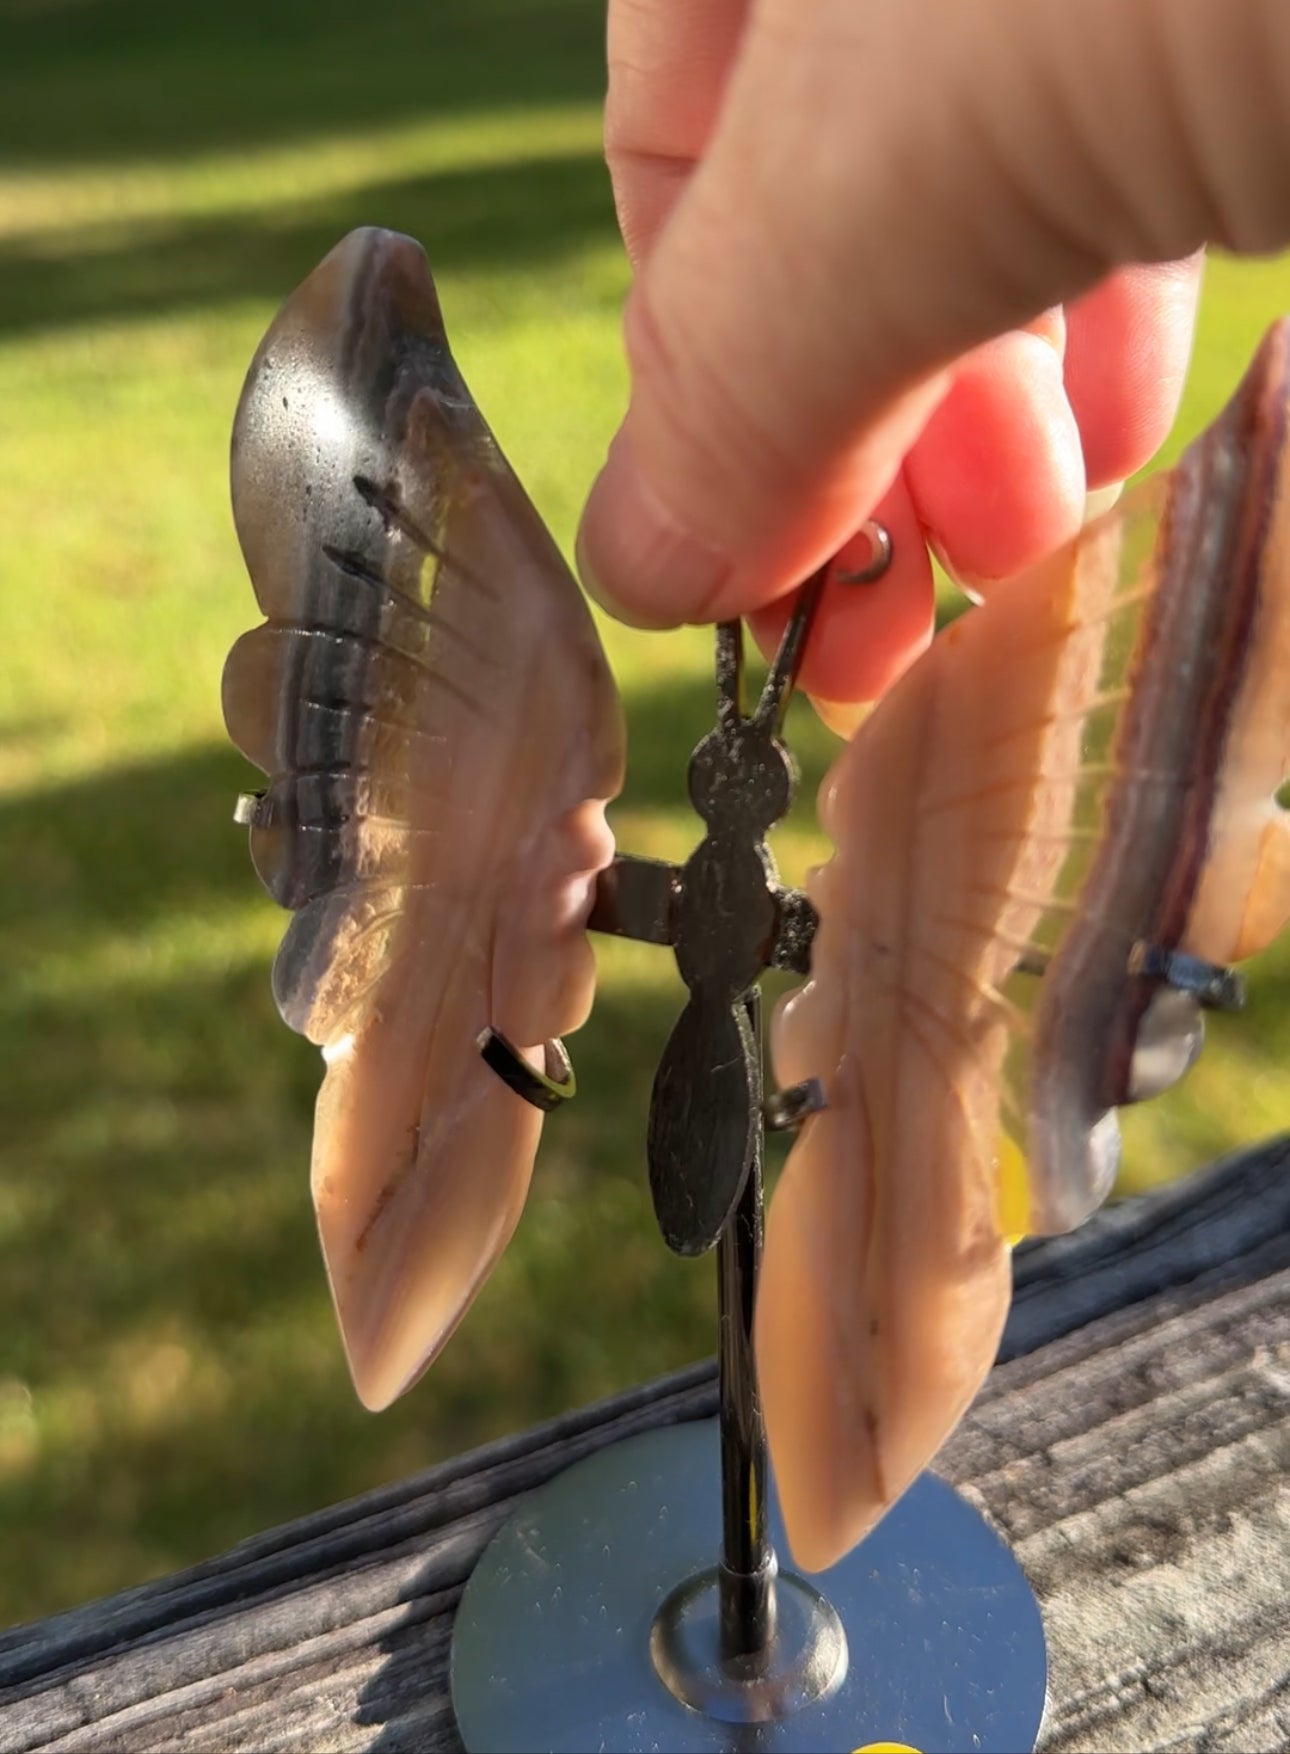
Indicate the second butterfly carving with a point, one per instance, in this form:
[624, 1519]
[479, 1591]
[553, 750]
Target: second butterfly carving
[1069, 796]
[1072, 791]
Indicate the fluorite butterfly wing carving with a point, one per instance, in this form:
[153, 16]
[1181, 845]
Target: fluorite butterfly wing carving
[441, 732]
[1084, 767]
[1076, 778]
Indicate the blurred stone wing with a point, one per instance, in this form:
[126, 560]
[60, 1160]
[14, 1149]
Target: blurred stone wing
[441, 733]
[1083, 766]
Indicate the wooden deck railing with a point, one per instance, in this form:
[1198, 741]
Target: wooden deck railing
[1133, 1446]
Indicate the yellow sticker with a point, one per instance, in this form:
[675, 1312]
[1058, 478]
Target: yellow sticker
[885, 1748]
[1012, 1194]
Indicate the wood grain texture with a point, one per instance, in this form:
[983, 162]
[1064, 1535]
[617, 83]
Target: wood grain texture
[1134, 1447]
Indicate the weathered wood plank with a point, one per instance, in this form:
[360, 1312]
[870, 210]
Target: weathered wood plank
[1210, 1228]
[1134, 1447]
[1143, 1486]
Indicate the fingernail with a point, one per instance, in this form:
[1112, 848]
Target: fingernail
[1099, 500]
[1050, 326]
[634, 558]
[843, 717]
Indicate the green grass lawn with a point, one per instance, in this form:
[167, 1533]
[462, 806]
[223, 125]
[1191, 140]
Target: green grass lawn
[170, 1379]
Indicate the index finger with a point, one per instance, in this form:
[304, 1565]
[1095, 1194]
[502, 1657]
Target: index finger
[668, 64]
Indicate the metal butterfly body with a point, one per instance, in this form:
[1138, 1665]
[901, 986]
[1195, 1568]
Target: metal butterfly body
[1071, 788]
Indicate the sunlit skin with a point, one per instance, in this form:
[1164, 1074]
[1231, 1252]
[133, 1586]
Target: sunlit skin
[935, 260]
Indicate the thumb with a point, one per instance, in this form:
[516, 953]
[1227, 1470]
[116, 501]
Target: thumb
[888, 185]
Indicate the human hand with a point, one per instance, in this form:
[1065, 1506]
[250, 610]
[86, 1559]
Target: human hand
[928, 259]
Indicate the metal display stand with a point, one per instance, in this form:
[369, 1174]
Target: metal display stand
[603, 1616]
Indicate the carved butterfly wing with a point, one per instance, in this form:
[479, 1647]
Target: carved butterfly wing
[1084, 766]
[430, 701]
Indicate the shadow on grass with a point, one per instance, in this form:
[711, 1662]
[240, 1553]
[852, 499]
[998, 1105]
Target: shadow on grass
[499, 215]
[165, 1320]
[108, 80]
[170, 1377]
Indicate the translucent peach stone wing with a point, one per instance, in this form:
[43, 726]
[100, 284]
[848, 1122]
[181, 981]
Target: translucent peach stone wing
[441, 733]
[1077, 780]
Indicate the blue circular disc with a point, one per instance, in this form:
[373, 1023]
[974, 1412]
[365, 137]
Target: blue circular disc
[945, 1647]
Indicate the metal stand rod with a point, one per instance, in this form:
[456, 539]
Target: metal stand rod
[737, 1656]
[747, 1573]
[727, 919]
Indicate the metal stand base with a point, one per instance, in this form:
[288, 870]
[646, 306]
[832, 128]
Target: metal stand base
[591, 1622]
